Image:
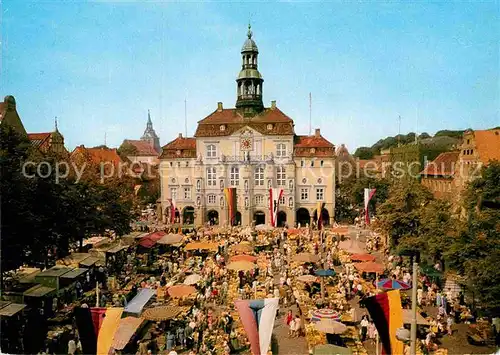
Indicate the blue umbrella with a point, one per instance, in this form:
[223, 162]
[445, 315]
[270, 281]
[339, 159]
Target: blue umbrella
[325, 273]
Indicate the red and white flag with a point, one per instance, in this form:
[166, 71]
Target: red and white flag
[172, 209]
[275, 195]
[368, 196]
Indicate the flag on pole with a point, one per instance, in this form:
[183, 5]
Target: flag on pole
[275, 195]
[172, 209]
[387, 313]
[97, 327]
[319, 209]
[257, 317]
[368, 196]
[230, 193]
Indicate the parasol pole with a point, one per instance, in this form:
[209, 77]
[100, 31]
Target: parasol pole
[413, 331]
[97, 293]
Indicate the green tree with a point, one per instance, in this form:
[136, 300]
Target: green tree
[364, 153]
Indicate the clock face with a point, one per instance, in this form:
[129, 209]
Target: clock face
[246, 144]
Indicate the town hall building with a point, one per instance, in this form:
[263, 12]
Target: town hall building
[252, 148]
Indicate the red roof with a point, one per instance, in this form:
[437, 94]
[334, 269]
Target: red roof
[38, 139]
[98, 155]
[232, 115]
[182, 143]
[443, 165]
[143, 147]
[488, 144]
[312, 142]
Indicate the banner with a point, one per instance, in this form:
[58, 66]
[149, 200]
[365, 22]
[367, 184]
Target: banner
[230, 193]
[275, 195]
[319, 209]
[387, 313]
[257, 317]
[368, 196]
[97, 328]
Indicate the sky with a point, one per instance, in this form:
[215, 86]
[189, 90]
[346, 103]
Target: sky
[100, 66]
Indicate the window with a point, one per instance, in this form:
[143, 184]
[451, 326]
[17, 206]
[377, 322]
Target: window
[171, 164]
[187, 164]
[235, 176]
[321, 163]
[281, 150]
[320, 194]
[212, 199]
[304, 194]
[280, 176]
[312, 163]
[302, 164]
[178, 164]
[222, 128]
[259, 176]
[259, 200]
[471, 151]
[187, 193]
[282, 200]
[211, 178]
[211, 151]
[173, 193]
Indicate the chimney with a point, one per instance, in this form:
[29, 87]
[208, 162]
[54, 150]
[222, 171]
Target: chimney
[317, 132]
[219, 106]
[273, 104]
[180, 135]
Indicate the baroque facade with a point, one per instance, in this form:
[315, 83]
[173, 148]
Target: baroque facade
[252, 148]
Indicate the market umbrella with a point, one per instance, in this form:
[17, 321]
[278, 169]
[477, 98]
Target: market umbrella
[307, 278]
[329, 349]
[325, 273]
[243, 257]
[161, 313]
[392, 284]
[201, 246]
[370, 266]
[325, 313]
[330, 326]
[351, 246]
[241, 265]
[192, 279]
[305, 258]
[263, 227]
[242, 248]
[171, 239]
[362, 257]
[178, 291]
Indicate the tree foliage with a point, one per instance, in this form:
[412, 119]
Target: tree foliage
[42, 214]
[364, 153]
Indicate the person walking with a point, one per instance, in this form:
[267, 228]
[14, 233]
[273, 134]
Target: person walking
[364, 328]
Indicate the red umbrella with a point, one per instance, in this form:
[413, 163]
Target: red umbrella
[362, 257]
[370, 266]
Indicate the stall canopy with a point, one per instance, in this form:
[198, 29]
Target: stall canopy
[38, 291]
[89, 261]
[73, 274]
[139, 301]
[117, 249]
[11, 309]
[128, 326]
[150, 239]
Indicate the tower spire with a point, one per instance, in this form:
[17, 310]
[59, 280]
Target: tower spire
[55, 124]
[249, 33]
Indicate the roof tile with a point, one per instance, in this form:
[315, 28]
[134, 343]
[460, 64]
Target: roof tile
[443, 165]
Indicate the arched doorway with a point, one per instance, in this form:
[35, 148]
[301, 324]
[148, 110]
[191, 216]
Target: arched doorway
[281, 219]
[325, 217]
[302, 217]
[237, 219]
[213, 217]
[188, 215]
[259, 217]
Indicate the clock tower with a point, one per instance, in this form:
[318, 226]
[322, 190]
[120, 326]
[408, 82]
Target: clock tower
[249, 81]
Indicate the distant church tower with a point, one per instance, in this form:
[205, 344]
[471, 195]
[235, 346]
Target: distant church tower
[150, 135]
[249, 80]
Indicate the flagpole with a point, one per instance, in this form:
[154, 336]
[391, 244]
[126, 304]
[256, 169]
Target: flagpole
[97, 293]
[413, 331]
[376, 338]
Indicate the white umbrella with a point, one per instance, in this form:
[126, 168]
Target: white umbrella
[263, 227]
[192, 279]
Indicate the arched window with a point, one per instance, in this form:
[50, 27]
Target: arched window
[211, 176]
[234, 176]
[211, 151]
[259, 176]
[280, 176]
[281, 150]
